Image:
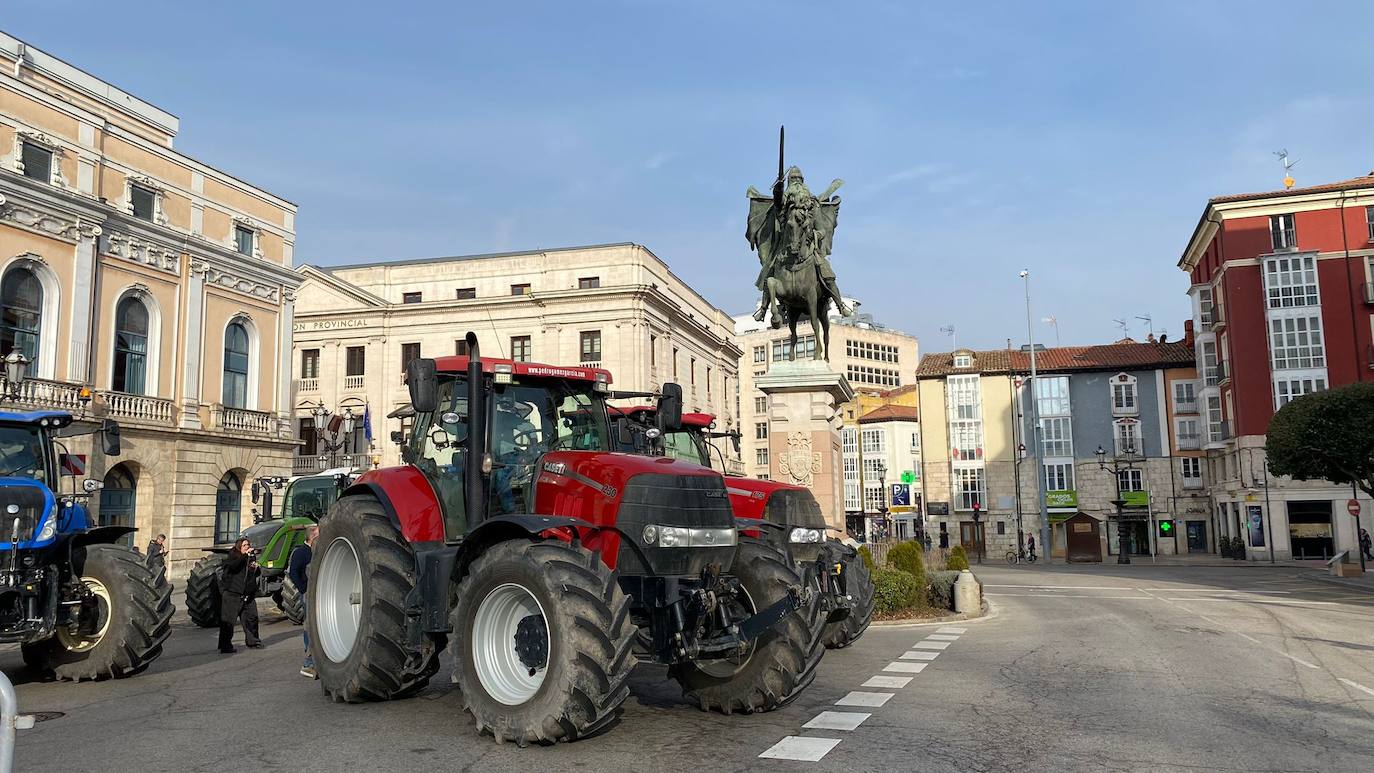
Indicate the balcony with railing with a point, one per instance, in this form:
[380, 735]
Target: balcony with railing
[1190, 441]
[307, 385]
[308, 465]
[1182, 405]
[41, 393]
[1221, 375]
[355, 383]
[242, 421]
[591, 363]
[138, 409]
[1214, 319]
[1191, 482]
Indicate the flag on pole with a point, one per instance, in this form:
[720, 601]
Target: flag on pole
[335, 424]
[367, 421]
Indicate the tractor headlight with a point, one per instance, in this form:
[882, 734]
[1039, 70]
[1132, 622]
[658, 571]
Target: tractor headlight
[683, 537]
[48, 531]
[650, 534]
[805, 535]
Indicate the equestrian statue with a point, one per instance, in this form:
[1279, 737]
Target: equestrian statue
[793, 232]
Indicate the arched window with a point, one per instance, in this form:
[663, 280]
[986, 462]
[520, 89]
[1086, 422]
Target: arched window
[235, 366]
[131, 347]
[21, 314]
[227, 500]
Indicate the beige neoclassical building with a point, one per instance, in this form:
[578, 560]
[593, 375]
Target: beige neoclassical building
[157, 282]
[616, 306]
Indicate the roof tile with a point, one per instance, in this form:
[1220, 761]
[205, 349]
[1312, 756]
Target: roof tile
[1115, 356]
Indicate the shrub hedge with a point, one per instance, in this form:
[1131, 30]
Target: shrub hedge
[941, 589]
[867, 557]
[895, 591]
[957, 559]
[910, 558]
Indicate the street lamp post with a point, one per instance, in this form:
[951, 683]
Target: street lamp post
[322, 415]
[1045, 544]
[1117, 467]
[16, 373]
[978, 528]
[882, 500]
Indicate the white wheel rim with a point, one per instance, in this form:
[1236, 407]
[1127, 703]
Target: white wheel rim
[724, 668]
[494, 656]
[76, 642]
[338, 600]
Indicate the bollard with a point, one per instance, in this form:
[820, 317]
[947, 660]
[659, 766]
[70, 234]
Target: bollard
[967, 598]
[9, 721]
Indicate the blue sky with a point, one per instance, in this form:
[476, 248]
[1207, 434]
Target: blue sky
[1079, 140]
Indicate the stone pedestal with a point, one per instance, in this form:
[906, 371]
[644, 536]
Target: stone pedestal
[804, 399]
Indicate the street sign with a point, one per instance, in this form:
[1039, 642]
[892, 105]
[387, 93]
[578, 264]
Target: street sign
[908, 477]
[901, 495]
[1353, 507]
[938, 508]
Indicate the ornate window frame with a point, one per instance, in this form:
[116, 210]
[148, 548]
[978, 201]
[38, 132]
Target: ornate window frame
[49, 144]
[52, 308]
[248, 223]
[250, 401]
[159, 214]
[143, 293]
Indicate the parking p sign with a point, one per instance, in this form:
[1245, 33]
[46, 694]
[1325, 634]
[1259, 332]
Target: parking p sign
[901, 495]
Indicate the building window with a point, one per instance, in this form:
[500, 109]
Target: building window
[874, 444]
[228, 498]
[966, 441]
[1188, 433]
[309, 437]
[760, 354]
[760, 404]
[1290, 282]
[1296, 342]
[460, 347]
[412, 297]
[963, 361]
[37, 162]
[131, 347]
[590, 346]
[970, 487]
[806, 348]
[761, 457]
[1211, 376]
[916, 446]
[409, 352]
[355, 360]
[1215, 423]
[761, 430]
[235, 390]
[589, 283]
[520, 289]
[1056, 436]
[1282, 234]
[1126, 433]
[1059, 476]
[871, 375]
[21, 314]
[1204, 304]
[1052, 395]
[1191, 469]
[243, 240]
[1123, 394]
[310, 363]
[1369, 221]
[964, 396]
[1131, 480]
[1185, 396]
[465, 293]
[1287, 389]
[142, 202]
[520, 348]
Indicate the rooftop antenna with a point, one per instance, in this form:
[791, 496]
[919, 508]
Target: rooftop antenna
[949, 331]
[1149, 323]
[1053, 322]
[1125, 329]
[1287, 167]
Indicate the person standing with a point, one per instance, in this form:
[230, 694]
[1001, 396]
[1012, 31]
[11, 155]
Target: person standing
[297, 567]
[157, 554]
[1366, 544]
[1030, 544]
[238, 583]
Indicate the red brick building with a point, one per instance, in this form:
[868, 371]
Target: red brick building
[1282, 302]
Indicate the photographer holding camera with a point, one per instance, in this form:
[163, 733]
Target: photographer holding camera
[238, 584]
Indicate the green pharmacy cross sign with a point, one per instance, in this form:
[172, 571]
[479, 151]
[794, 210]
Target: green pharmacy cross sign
[1166, 528]
[908, 476]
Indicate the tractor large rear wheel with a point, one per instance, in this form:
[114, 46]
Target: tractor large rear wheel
[542, 642]
[202, 591]
[292, 602]
[359, 580]
[859, 585]
[122, 622]
[781, 662]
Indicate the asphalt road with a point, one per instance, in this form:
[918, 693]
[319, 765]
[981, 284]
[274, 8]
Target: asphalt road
[1099, 668]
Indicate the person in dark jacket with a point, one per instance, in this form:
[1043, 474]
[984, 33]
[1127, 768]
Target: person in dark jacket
[238, 583]
[296, 569]
[157, 554]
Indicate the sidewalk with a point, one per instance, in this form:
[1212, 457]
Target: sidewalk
[1202, 559]
[1363, 582]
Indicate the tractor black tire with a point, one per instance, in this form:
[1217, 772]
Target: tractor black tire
[135, 619]
[376, 665]
[202, 591]
[782, 661]
[859, 585]
[587, 639]
[292, 602]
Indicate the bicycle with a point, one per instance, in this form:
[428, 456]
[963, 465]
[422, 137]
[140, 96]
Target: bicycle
[1016, 557]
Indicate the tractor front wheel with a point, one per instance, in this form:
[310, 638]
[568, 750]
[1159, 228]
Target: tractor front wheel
[124, 616]
[781, 662]
[202, 591]
[359, 580]
[859, 585]
[542, 642]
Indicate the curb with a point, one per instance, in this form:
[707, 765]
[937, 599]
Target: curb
[1315, 576]
[988, 612]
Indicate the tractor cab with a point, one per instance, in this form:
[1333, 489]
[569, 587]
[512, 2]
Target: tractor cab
[32, 468]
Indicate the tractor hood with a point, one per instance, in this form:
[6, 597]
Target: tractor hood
[31, 504]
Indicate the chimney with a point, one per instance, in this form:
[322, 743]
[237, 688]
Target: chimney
[1150, 338]
[1188, 332]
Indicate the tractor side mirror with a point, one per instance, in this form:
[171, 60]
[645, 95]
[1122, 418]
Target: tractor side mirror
[624, 436]
[670, 407]
[734, 441]
[422, 376]
[398, 437]
[256, 491]
[109, 436]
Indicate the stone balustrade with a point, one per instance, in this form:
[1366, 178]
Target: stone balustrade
[138, 408]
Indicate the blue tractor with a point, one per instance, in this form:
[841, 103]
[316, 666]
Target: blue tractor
[81, 605]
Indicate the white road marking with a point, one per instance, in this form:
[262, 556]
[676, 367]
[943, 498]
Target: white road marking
[1063, 587]
[919, 655]
[942, 637]
[930, 645]
[795, 747]
[951, 629]
[1214, 590]
[1073, 596]
[1275, 650]
[905, 668]
[837, 720]
[868, 699]
[1255, 601]
[897, 682]
[1356, 685]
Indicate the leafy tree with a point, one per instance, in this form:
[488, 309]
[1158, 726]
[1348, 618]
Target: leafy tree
[1326, 436]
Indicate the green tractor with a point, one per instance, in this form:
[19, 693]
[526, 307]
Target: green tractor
[273, 537]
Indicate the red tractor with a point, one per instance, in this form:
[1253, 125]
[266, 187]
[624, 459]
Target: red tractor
[787, 517]
[516, 536]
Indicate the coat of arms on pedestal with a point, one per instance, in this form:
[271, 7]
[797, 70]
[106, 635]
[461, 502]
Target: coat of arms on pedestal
[800, 463]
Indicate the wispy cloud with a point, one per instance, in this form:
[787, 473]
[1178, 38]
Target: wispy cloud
[657, 160]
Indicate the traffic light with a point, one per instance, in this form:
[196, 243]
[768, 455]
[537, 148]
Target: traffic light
[1166, 528]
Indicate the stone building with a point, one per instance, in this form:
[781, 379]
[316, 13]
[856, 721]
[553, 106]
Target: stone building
[615, 306]
[873, 359]
[145, 286]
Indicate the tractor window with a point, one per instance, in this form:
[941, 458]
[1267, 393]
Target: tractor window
[21, 452]
[530, 419]
[438, 448]
[260, 534]
[310, 497]
[683, 445]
